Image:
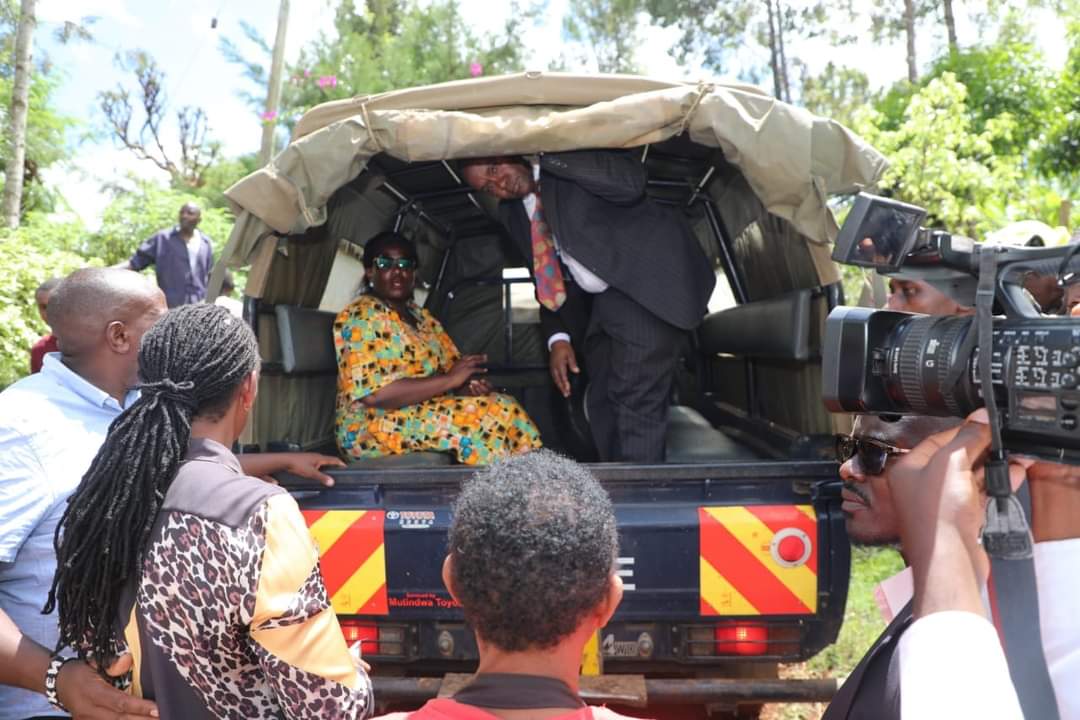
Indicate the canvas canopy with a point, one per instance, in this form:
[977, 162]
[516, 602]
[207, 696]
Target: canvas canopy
[791, 159]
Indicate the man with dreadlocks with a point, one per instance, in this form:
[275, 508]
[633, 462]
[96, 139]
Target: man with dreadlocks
[208, 577]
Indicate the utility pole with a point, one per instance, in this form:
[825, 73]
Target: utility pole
[273, 94]
[20, 106]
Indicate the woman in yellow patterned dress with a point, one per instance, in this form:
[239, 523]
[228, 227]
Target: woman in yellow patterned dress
[402, 384]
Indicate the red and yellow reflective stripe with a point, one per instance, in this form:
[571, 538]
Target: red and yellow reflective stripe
[739, 573]
[352, 555]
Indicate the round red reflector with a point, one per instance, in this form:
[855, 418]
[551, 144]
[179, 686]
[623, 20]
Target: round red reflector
[791, 549]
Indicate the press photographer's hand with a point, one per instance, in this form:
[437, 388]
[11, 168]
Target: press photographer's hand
[938, 492]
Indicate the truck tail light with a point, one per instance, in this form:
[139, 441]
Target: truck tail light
[366, 633]
[373, 639]
[742, 640]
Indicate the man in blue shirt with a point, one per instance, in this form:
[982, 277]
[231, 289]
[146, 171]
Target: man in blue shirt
[182, 257]
[51, 426]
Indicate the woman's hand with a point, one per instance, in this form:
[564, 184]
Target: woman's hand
[477, 387]
[464, 369]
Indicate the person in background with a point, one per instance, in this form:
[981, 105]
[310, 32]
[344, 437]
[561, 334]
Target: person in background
[532, 560]
[207, 576]
[46, 344]
[226, 299]
[402, 384]
[182, 257]
[24, 663]
[910, 294]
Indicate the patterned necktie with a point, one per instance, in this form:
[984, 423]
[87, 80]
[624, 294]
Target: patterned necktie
[550, 289]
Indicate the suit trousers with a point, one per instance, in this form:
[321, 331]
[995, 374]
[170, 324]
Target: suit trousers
[630, 355]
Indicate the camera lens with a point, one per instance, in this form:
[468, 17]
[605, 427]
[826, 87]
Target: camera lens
[920, 353]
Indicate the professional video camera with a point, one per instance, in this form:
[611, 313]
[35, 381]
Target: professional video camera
[885, 362]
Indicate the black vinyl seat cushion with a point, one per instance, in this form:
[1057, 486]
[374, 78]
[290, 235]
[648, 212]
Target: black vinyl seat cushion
[691, 439]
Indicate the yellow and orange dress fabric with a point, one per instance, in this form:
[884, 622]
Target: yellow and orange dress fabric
[375, 347]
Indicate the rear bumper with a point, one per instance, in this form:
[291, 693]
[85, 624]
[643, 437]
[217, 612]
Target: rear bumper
[633, 690]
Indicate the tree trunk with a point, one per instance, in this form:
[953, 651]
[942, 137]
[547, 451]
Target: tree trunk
[20, 105]
[774, 54]
[783, 55]
[273, 93]
[909, 30]
[950, 26]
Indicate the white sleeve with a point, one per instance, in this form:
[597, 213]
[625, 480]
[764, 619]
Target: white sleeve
[556, 337]
[952, 666]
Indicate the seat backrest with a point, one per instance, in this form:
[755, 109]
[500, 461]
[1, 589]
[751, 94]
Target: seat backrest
[307, 339]
[775, 329]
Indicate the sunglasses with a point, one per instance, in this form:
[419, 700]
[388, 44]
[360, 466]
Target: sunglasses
[873, 454]
[402, 263]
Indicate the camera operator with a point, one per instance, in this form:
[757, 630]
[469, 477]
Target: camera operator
[875, 458]
[950, 659]
[910, 294]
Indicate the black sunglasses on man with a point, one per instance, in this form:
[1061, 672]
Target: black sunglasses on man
[873, 453]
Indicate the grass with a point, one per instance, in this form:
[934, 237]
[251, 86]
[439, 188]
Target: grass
[862, 625]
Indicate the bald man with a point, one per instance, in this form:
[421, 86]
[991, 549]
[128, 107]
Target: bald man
[51, 426]
[182, 257]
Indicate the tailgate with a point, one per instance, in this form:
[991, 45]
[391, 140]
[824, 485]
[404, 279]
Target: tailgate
[718, 562]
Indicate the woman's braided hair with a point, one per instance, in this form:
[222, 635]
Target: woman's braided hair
[191, 364]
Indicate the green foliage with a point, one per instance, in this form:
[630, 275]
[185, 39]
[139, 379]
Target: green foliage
[710, 30]
[134, 216]
[27, 263]
[218, 177]
[50, 234]
[837, 92]
[608, 28]
[754, 32]
[385, 45]
[940, 162]
[1009, 77]
[46, 141]
[1060, 153]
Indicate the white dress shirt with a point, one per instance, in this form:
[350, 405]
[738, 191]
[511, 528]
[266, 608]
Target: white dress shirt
[585, 278]
[51, 427]
[1057, 575]
[952, 666]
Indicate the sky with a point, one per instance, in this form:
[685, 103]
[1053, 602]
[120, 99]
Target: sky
[183, 38]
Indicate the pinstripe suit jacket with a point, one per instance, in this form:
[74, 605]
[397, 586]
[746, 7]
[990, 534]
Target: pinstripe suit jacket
[595, 203]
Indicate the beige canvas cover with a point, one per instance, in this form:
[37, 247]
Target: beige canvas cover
[791, 158]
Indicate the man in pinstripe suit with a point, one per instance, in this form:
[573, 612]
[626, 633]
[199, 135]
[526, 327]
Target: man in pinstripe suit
[631, 279]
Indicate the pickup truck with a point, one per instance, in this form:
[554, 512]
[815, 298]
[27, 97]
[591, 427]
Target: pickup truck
[733, 551]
